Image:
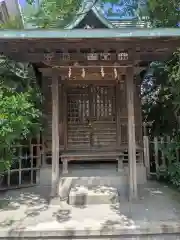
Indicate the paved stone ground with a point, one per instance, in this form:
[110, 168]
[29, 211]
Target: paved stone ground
[32, 213]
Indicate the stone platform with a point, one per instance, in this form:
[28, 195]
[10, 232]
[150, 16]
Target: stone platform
[30, 213]
[94, 187]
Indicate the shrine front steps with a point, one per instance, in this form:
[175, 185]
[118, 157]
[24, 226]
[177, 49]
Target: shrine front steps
[94, 189]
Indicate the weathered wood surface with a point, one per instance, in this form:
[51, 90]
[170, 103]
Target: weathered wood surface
[67, 157]
[66, 44]
[91, 120]
[131, 135]
[56, 50]
[57, 60]
[55, 136]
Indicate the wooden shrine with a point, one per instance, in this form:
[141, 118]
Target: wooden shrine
[91, 85]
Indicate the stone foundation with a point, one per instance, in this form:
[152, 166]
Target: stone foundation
[45, 174]
[104, 176]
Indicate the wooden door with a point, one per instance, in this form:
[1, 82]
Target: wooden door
[78, 110]
[103, 119]
[91, 117]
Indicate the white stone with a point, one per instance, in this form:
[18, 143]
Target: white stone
[80, 195]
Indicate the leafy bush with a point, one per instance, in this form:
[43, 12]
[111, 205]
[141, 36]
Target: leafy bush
[19, 118]
[174, 174]
[171, 172]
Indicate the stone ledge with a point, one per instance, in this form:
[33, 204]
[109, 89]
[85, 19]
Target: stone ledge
[146, 229]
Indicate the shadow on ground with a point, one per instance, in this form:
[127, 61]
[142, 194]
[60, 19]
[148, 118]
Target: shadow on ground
[20, 206]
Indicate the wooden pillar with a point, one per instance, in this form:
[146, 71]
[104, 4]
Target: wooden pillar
[146, 150]
[131, 134]
[146, 155]
[55, 135]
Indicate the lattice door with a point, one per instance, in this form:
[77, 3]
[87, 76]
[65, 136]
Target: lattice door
[78, 117]
[104, 117]
[91, 117]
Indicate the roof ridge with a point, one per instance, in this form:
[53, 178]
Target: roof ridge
[98, 11]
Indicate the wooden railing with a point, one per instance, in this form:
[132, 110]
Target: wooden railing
[25, 168]
[154, 154]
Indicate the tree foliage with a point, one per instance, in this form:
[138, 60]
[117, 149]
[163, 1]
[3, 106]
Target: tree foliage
[19, 112]
[164, 13]
[161, 101]
[58, 13]
[163, 109]
[12, 23]
[20, 99]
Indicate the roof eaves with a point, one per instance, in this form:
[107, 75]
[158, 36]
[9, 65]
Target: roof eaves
[76, 21]
[83, 11]
[133, 33]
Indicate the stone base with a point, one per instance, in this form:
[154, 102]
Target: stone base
[103, 176]
[82, 195]
[46, 173]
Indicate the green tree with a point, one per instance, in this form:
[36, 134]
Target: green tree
[164, 13]
[161, 98]
[13, 23]
[20, 100]
[59, 13]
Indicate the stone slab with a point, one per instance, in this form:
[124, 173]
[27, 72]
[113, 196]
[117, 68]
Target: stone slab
[92, 229]
[86, 195]
[67, 186]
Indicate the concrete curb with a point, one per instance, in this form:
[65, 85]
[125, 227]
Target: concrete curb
[107, 231]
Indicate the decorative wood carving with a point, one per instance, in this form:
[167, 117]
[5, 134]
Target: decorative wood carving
[65, 56]
[105, 56]
[92, 57]
[123, 56]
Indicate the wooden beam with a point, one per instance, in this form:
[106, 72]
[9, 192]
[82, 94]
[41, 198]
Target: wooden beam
[131, 134]
[39, 57]
[55, 136]
[153, 56]
[63, 70]
[116, 44]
